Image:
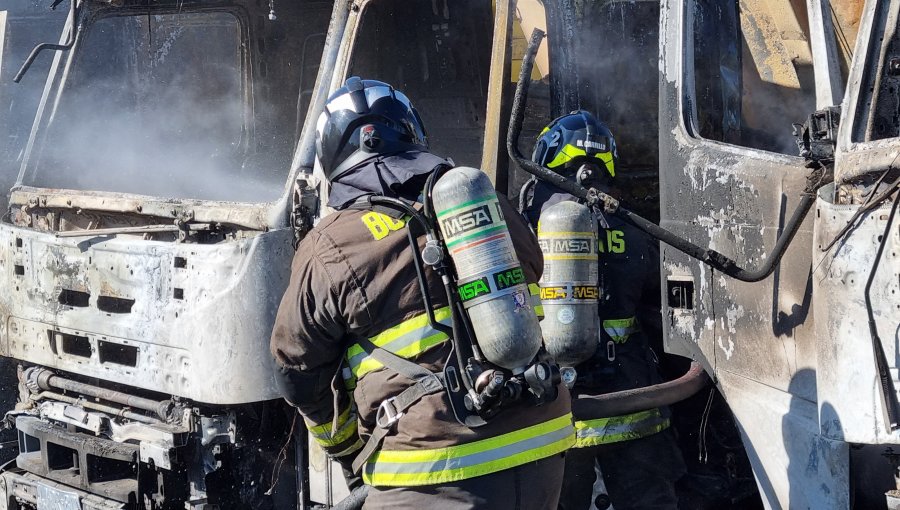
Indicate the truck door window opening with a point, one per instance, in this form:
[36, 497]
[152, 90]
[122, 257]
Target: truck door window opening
[753, 73]
[441, 62]
[878, 107]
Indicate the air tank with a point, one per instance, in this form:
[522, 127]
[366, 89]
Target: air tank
[491, 281]
[567, 233]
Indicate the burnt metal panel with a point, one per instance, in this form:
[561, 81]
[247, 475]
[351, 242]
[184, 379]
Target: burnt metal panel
[848, 386]
[197, 329]
[100, 466]
[735, 200]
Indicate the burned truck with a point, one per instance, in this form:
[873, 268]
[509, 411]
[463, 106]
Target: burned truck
[170, 169]
[770, 130]
[167, 177]
[145, 251]
[807, 357]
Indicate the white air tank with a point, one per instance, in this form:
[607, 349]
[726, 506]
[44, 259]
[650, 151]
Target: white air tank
[491, 281]
[567, 233]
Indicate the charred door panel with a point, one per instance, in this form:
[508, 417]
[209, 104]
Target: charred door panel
[730, 194]
[734, 76]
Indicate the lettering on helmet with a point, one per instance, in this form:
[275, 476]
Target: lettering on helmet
[509, 277]
[474, 289]
[467, 220]
[380, 225]
[554, 140]
[589, 144]
[565, 245]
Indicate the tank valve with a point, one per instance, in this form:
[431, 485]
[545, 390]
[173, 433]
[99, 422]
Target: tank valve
[568, 375]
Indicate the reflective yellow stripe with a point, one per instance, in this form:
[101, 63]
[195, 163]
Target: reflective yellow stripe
[620, 329]
[570, 152]
[327, 437]
[442, 465]
[619, 428]
[535, 291]
[407, 340]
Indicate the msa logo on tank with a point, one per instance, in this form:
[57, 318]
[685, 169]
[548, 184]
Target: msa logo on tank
[501, 280]
[574, 246]
[569, 292]
[472, 218]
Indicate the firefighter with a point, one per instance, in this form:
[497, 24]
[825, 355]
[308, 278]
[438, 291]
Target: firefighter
[353, 287]
[637, 453]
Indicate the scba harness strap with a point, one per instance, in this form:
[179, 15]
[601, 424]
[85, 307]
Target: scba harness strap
[425, 382]
[391, 410]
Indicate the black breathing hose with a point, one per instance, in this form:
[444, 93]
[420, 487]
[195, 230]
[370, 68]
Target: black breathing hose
[354, 500]
[402, 206]
[611, 206]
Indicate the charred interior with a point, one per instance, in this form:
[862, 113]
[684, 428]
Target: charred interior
[441, 61]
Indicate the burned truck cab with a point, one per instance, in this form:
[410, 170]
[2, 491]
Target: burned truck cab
[169, 175]
[145, 251]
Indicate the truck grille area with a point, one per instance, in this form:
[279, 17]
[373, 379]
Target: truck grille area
[96, 465]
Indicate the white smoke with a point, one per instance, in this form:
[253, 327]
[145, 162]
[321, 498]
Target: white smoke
[146, 112]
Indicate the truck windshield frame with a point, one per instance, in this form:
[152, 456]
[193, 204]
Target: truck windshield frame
[186, 105]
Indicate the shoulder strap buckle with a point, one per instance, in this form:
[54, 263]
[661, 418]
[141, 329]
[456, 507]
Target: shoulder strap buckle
[388, 414]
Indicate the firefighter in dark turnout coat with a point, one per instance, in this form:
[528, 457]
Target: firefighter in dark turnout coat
[353, 287]
[637, 453]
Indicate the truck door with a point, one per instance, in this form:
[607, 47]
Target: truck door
[734, 77]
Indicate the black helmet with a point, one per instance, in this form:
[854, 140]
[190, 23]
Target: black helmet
[573, 140]
[364, 119]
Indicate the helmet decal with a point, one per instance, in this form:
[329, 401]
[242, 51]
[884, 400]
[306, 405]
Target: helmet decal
[573, 140]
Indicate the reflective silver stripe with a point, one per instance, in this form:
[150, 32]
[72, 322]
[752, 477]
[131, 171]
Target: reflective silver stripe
[400, 342]
[619, 428]
[473, 458]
